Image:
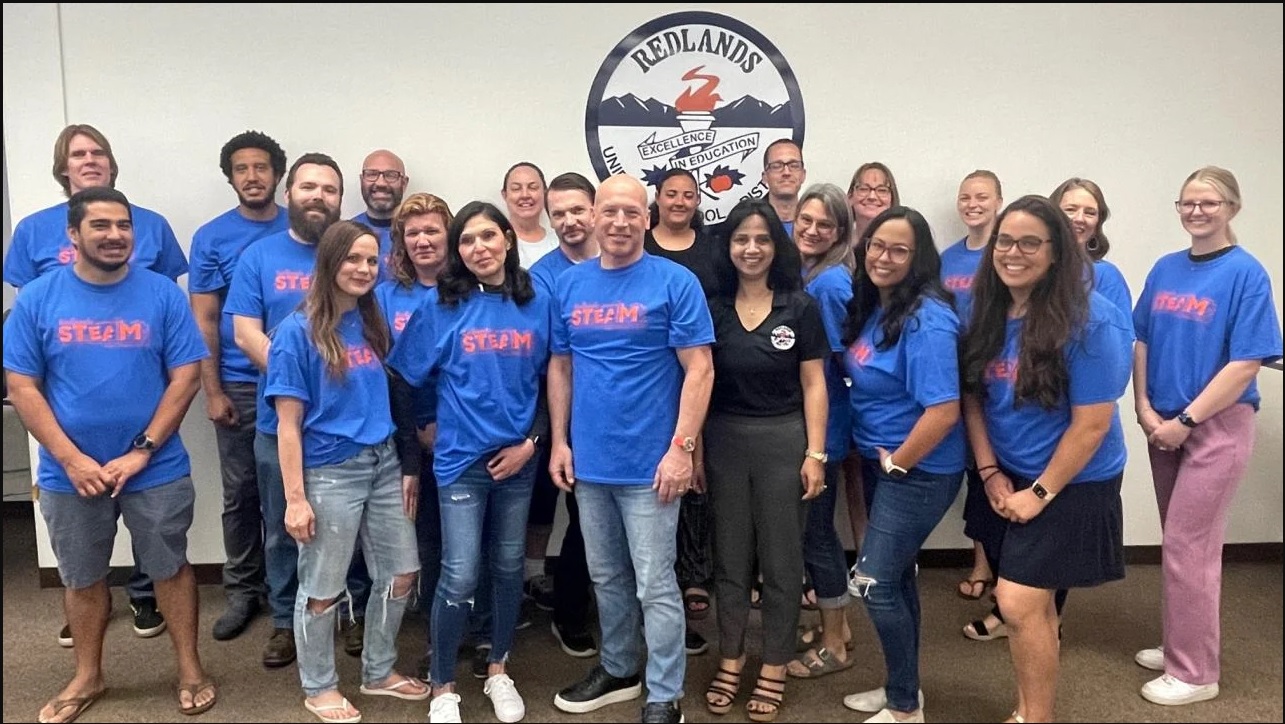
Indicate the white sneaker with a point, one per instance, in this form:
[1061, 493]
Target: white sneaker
[885, 717]
[873, 700]
[1171, 692]
[444, 709]
[505, 698]
[1153, 659]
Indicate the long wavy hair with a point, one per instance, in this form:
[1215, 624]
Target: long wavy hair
[1055, 313]
[923, 279]
[456, 282]
[836, 207]
[321, 305]
[786, 271]
[419, 204]
[1098, 245]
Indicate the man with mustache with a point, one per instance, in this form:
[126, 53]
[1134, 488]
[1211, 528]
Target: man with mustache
[254, 165]
[270, 281]
[83, 159]
[383, 183]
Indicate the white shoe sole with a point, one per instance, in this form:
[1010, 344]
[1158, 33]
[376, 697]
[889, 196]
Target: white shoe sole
[1148, 660]
[873, 701]
[584, 707]
[568, 650]
[1204, 694]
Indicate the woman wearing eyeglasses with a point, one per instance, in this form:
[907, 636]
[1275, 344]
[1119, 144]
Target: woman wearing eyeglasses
[1206, 323]
[871, 190]
[1086, 208]
[900, 337]
[1043, 363]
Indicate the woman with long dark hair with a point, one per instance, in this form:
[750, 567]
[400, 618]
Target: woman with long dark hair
[485, 333]
[1043, 363]
[340, 469]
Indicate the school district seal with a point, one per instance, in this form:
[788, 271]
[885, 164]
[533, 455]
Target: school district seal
[694, 90]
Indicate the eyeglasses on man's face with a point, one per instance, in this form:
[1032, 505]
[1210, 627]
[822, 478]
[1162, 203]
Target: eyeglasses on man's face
[779, 166]
[1190, 207]
[1026, 244]
[392, 176]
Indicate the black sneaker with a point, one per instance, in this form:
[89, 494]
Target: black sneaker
[148, 622]
[540, 591]
[236, 617]
[695, 643]
[575, 642]
[481, 656]
[662, 712]
[525, 614]
[597, 690]
[280, 650]
[354, 635]
[64, 637]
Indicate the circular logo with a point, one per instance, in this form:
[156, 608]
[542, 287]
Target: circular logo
[783, 338]
[694, 90]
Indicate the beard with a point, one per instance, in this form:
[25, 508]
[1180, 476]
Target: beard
[381, 205]
[259, 205]
[308, 227]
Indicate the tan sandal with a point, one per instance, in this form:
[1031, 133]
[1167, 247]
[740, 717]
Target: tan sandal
[768, 692]
[722, 691]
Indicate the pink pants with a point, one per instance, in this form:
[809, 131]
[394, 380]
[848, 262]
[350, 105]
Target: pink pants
[1194, 487]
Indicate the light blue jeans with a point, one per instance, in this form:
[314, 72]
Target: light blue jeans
[630, 544]
[359, 496]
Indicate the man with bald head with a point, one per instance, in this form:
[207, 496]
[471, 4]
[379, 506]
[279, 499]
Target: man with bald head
[637, 331]
[383, 183]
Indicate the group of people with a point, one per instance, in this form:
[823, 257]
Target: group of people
[399, 398]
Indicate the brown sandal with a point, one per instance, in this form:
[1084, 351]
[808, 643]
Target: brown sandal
[768, 692]
[722, 691]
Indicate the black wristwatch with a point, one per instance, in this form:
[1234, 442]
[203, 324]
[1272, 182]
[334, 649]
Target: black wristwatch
[144, 443]
[1186, 420]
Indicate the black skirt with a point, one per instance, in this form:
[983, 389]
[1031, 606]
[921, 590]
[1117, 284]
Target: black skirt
[1076, 542]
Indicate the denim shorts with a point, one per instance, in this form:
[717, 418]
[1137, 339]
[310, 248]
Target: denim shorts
[82, 531]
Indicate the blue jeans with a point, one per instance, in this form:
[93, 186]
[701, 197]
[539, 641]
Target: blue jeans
[902, 514]
[630, 545]
[824, 559]
[280, 552]
[359, 496]
[480, 514]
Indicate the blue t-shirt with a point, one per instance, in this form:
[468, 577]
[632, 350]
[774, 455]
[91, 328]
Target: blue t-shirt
[40, 244]
[621, 328]
[1098, 363]
[1110, 283]
[832, 289]
[546, 270]
[1195, 317]
[102, 354]
[216, 248]
[399, 302]
[958, 267]
[489, 355]
[269, 284]
[340, 415]
[892, 387]
[384, 231]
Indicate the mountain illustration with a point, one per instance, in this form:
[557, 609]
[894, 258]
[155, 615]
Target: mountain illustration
[745, 112]
[750, 112]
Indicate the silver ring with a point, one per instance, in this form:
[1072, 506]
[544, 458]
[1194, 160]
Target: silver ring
[823, 486]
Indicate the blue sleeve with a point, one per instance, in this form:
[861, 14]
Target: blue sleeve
[183, 341]
[1142, 311]
[19, 269]
[932, 367]
[1111, 284]
[205, 274]
[414, 356]
[833, 299]
[1098, 364]
[22, 348]
[689, 323]
[560, 339]
[288, 372]
[1255, 331]
[245, 295]
[170, 261]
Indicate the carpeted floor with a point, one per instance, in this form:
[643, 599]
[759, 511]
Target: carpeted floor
[963, 680]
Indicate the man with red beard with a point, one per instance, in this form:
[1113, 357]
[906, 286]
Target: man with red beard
[270, 281]
[254, 165]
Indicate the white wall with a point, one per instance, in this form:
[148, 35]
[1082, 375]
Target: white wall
[1133, 96]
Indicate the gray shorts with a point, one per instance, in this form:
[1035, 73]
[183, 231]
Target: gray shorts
[82, 530]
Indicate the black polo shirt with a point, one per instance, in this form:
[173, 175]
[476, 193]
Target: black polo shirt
[698, 258]
[756, 372]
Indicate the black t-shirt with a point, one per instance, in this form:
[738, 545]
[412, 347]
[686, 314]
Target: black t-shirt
[756, 372]
[698, 258]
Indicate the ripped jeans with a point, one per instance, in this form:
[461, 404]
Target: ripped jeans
[361, 496]
[902, 514]
[480, 514]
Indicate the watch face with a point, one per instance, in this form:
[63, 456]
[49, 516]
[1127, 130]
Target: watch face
[1039, 491]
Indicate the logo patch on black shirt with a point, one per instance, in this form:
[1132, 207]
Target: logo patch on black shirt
[783, 338]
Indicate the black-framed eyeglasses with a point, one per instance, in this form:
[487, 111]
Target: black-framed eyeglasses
[778, 166]
[897, 254]
[1206, 207]
[1026, 244]
[880, 190]
[392, 176]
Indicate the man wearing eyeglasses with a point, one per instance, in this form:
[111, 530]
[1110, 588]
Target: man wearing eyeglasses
[383, 183]
[784, 174]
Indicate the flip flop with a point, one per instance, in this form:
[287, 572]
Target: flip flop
[977, 588]
[194, 689]
[396, 690]
[343, 705]
[821, 664]
[696, 605]
[81, 703]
